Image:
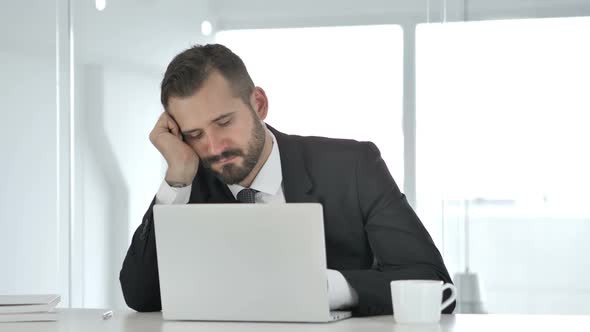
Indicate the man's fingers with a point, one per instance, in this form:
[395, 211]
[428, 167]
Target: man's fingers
[174, 128]
[167, 123]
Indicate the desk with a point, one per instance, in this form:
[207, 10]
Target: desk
[90, 320]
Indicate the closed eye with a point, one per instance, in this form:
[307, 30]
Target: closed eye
[224, 123]
[193, 136]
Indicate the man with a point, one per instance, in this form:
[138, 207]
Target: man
[219, 150]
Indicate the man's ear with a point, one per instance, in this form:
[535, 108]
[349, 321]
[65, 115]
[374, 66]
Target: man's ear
[259, 102]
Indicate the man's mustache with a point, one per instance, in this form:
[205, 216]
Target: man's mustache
[225, 154]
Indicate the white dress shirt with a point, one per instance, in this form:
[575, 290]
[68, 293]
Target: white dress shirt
[269, 184]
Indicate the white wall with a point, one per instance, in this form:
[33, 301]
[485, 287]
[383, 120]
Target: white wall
[118, 172]
[29, 251]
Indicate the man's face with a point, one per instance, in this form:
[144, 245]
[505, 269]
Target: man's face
[227, 134]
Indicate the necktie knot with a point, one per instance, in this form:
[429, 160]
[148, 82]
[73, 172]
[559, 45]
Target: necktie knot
[247, 195]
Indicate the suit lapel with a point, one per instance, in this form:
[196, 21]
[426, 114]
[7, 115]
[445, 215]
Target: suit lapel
[222, 194]
[218, 191]
[297, 184]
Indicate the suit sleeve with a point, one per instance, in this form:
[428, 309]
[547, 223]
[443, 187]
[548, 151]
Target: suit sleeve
[401, 246]
[139, 275]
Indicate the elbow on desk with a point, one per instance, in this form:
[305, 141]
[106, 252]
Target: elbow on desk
[142, 306]
[138, 297]
[141, 302]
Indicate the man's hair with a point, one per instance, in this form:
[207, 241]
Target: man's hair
[188, 70]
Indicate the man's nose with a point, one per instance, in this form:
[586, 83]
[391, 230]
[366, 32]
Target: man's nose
[215, 144]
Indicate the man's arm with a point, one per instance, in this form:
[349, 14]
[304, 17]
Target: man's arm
[139, 276]
[401, 246]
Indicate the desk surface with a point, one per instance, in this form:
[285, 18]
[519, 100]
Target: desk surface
[90, 320]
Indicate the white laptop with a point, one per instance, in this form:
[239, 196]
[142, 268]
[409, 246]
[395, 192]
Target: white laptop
[243, 262]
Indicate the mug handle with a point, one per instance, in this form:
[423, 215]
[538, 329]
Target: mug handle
[452, 298]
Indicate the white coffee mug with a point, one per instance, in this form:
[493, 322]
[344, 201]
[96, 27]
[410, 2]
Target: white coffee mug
[419, 301]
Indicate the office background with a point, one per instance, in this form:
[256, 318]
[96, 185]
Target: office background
[480, 109]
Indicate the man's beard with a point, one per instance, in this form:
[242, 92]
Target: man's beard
[233, 174]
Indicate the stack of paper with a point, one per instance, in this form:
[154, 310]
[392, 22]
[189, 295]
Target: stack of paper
[28, 308]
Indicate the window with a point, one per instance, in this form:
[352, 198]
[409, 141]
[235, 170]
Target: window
[342, 82]
[502, 140]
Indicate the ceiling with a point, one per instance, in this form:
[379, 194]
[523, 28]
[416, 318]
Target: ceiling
[148, 33]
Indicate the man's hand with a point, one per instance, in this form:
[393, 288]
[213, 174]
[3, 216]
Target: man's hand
[182, 160]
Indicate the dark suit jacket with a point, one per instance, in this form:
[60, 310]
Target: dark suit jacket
[372, 234]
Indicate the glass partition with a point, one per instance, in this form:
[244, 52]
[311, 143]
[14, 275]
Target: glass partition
[29, 225]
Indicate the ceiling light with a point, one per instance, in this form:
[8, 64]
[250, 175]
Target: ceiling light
[206, 28]
[100, 4]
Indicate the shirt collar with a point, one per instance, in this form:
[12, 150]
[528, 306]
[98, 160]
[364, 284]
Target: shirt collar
[269, 177]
